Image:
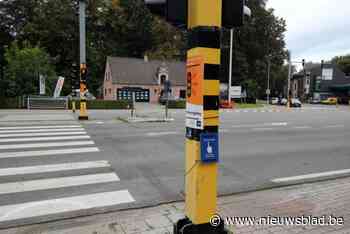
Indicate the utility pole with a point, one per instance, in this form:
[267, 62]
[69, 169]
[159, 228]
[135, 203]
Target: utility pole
[201, 147]
[230, 68]
[268, 91]
[289, 77]
[83, 115]
[204, 20]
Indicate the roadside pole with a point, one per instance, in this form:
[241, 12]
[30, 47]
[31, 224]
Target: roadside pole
[83, 115]
[202, 123]
[289, 77]
[230, 68]
[268, 91]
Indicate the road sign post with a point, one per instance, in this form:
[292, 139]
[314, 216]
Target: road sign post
[202, 118]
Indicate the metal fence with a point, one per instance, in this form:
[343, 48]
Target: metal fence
[39, 102]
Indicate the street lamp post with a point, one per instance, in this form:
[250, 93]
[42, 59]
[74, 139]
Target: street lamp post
[230, 68]
[268, 91]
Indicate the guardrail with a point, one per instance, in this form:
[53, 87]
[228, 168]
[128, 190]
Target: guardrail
[38, 102]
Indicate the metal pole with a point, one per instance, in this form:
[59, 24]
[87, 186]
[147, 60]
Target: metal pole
[82, 30]
[230, 68]
[289, 77]
[83, 115]
[268, 82]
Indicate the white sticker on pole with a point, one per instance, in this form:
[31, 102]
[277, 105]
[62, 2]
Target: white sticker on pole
[194, 116]
[59, 86]
[42, 84]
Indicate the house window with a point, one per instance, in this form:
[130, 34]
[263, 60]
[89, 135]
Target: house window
[105, 92]
[327, 74]
[109, 91]
[295, 86]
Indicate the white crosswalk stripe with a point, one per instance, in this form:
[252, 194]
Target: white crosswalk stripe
[46, 145]
[41, 130]
[62, 180]
[41, 127]
[54, 206]
[52, 168]
[44, 138]
[43, 134]
[35, 185]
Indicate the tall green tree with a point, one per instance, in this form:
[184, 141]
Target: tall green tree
[24, 65]
[259, 40]
[343, 62]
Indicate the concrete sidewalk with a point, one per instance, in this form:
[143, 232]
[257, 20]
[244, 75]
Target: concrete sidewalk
[316, 199]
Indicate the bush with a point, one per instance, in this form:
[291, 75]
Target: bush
[10, 103]
[176, 104]
[104, 104]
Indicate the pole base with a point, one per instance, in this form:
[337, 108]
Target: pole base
[83, 117]
[185, 226]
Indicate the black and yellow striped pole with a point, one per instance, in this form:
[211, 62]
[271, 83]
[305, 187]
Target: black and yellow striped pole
[83, 115]
[202, 118]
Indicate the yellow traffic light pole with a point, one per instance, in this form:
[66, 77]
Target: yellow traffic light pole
[83, 115]
[202, 118]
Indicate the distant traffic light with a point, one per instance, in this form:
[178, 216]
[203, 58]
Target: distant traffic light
[303, 62]
[74, 78]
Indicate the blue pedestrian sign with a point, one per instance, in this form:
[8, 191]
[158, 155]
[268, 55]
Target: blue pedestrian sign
[209, 147]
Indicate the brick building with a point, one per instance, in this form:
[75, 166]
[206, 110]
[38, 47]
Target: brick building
[123, 76]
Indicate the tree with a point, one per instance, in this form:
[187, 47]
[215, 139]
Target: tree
[24, 65]
[260, 39]
[343, 62]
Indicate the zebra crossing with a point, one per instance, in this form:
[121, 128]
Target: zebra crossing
[32, 188]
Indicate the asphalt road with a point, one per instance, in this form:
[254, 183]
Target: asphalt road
[143, 164]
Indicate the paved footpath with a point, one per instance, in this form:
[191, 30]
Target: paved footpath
[315, 199]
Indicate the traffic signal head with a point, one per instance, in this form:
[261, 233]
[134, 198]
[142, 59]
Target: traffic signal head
[176, 11]
[303, 62]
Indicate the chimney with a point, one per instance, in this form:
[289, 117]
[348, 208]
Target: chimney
[145, 58]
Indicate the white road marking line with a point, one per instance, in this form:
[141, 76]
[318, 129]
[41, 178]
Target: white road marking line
[48, 152]
[67, 204]
[45, 138]
[260, 125]
[277, 124]
[311, 176]
[43, 130]
[334, 126]
[53, 183]
[46, 145]
[53, 168]
[79, 132]
[41, 127]
[302, 127]
[150, 134]
[263, 129]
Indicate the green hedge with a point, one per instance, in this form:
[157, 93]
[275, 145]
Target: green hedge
[10, 103]
[104, 104]
[178, 104]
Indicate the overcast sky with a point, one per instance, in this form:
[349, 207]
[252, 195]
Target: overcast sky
[316, 29]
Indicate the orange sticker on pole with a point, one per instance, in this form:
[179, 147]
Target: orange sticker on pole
[195, 82]
[195, 73]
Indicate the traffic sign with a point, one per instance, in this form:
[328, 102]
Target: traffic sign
[209, 147]
[268, 91]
